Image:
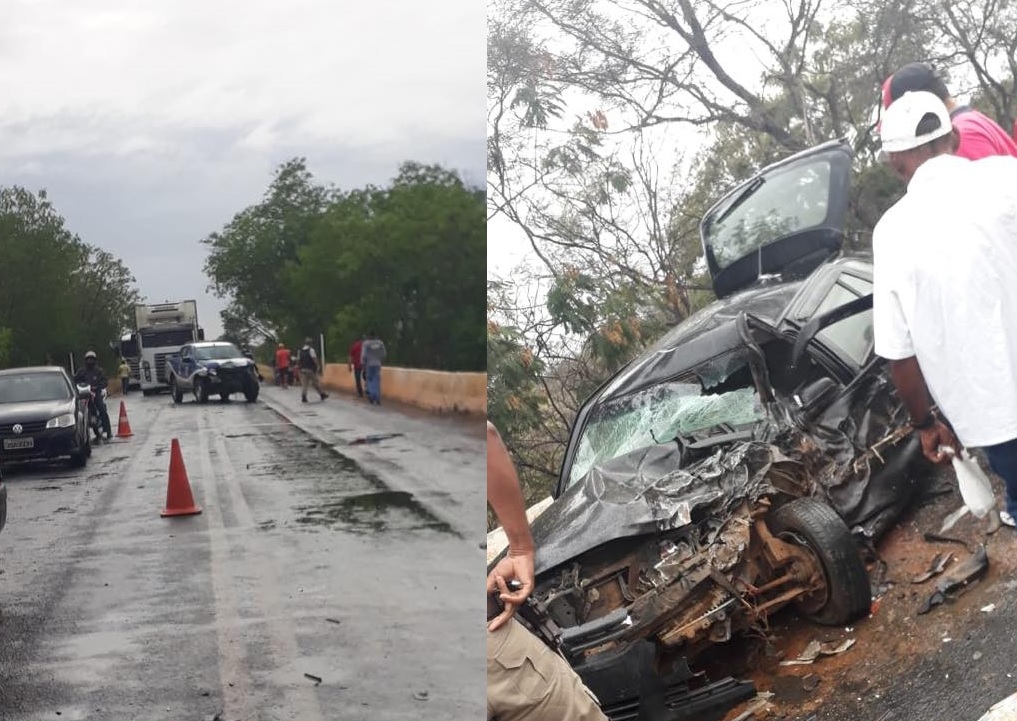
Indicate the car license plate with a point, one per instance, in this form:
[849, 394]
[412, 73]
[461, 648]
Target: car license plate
[15, 444]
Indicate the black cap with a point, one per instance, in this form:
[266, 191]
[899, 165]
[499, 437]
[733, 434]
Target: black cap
[911, 77]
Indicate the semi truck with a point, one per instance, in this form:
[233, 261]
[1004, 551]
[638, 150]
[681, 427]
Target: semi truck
[160, 331]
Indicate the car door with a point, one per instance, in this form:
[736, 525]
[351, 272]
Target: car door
[187, 363]
[787, 220]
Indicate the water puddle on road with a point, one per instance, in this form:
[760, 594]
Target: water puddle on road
[372, 513]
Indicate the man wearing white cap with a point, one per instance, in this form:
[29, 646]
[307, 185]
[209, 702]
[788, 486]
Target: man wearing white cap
[945, 287]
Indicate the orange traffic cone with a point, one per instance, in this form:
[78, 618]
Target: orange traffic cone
[179, 501]
[124, 427]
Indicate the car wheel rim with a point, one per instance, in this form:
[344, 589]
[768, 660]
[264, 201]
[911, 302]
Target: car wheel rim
[814, 601]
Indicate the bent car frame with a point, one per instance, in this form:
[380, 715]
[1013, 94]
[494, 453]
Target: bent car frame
[732, 469]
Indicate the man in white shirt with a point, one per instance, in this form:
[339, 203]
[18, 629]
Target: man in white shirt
[945, 288]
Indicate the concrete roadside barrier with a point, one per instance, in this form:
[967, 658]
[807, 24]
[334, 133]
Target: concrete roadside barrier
[436, 391]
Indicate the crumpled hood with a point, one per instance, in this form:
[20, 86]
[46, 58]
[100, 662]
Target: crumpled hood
[645, 492]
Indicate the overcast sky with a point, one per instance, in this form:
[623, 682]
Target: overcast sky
[150, 124]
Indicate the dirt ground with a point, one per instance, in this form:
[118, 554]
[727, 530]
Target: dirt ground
[895, 645]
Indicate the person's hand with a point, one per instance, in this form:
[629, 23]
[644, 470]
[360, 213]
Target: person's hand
[936, 436]
[516, 566]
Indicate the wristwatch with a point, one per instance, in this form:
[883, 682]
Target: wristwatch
[928, 422]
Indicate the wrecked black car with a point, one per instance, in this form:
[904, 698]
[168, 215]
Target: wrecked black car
[734, 468]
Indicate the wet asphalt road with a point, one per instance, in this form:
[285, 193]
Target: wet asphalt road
[359, 569]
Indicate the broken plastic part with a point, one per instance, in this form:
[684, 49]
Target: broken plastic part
[939, 563]
[815, 650]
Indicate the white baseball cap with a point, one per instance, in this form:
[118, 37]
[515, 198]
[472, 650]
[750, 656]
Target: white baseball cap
[898, 130]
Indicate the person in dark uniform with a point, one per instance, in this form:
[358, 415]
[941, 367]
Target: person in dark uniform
[310, 368]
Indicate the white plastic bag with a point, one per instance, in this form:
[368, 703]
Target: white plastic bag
[975, 487]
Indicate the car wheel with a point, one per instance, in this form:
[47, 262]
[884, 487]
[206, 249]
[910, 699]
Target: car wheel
[201, 391]
[224, 397]
[815, 526]
[80, 458]
[251, 389]
[175, 391]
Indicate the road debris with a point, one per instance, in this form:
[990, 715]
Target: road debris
[815, 650]
[936, 599]
[316, 679]
[333, 620]
[965, 572]
[420, 695]
[376, 438]
[989, 609]
[939, 563]
[937, 538]
[959, 577]
[759, 703]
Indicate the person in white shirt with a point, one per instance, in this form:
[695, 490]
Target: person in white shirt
[945, 288]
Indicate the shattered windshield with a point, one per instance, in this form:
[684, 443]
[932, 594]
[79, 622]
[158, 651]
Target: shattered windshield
[665, 411]
[791, 200]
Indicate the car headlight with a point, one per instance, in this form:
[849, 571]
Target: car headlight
[64, 421]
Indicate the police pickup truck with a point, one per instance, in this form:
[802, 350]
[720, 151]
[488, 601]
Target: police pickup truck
[211, 368]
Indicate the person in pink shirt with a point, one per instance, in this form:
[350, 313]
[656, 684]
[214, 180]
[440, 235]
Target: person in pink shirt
[980, 135]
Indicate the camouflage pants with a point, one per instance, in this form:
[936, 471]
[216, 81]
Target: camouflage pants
[308, 378]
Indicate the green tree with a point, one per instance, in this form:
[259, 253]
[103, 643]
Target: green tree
[406, 260]
[58, 295]
[249, 257]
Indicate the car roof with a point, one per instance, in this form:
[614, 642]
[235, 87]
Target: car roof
[32, 369]
[209, 343]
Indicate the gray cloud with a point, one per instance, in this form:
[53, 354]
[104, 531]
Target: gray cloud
[168, 117]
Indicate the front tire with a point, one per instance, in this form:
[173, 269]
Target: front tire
[815, 526]
[175, 391]
[80, 458]
[201, 391]
[251, 389]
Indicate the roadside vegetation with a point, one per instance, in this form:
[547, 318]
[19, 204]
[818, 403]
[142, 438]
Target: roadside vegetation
[407, 260]
[612, 128]
[58, 294]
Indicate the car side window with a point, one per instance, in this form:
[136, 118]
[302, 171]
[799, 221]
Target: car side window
[853, 336]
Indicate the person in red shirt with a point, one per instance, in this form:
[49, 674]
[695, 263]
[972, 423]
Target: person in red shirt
[980, 135]
[282, 366]
[356, 364]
